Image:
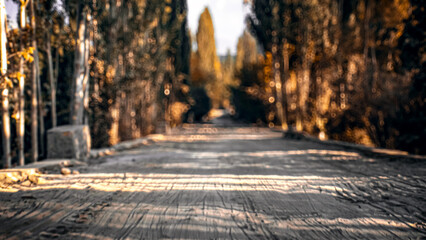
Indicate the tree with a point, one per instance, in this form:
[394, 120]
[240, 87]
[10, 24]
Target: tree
[206, 62]
[252, 96]
[266, 24]
[81, 65]
[34, 95]
[21, 114]
[246, 51]
[411, 117]
[139, 68]
[229, 80]
[351, 69]
[5, 84]
[138, 65]
[206, 46]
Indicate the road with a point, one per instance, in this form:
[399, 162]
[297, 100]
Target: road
[207, 182]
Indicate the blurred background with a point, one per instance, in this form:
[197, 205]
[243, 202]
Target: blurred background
[336, 69]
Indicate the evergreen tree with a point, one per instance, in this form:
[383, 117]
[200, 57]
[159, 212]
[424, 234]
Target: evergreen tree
[207, 68]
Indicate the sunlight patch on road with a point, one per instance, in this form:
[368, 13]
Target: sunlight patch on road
[362, 226]
[318, 152]
[303, 152]
[133, 182]
[209, 138]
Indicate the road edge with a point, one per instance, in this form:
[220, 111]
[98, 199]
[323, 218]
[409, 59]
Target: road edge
[367, 151]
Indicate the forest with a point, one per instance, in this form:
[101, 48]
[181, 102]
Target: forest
[343, 70]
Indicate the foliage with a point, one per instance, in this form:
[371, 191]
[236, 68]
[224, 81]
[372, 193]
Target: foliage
[250, 96]
[351, 70]
[200, 107]
[411, 116]
[138, 50]
[205, 64]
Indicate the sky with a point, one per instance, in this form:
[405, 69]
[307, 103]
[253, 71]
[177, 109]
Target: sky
[228, 20]
[11, 11]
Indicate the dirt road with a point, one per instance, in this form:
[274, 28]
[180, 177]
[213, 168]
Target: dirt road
[224, 183]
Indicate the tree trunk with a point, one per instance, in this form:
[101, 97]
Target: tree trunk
[367, 90]
[52, 80]
[278, 85]
[34, 102]
[6, 128]
[298, 102]
[20, 128]
[375, 69]
[5, 90]
[86, 83]
[286, 76]
[56, 72]
[114, 137]
[277, 73]
[77, 104]
[21, 114]
[3, 29]
[307, 52]
[40, 105]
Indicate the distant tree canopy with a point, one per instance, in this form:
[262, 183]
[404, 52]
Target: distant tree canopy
[246, 51]
[347, 70]
[206, 46]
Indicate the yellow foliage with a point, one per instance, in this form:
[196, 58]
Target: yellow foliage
[16, 75]
[27, 54]
[6, 83]
[267, 69]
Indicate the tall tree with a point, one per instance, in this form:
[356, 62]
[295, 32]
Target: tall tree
[52, 79]
[207, 61]
[206, 46]
[5, 84]
[34, 98]
[246, 51]
[81, 65]
[411, 116]
[21, 113]
[267, 26]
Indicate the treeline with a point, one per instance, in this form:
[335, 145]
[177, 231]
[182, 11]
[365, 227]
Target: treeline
[121, 67]
[346, 70]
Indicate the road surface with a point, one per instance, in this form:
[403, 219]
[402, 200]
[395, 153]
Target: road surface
[207, 182]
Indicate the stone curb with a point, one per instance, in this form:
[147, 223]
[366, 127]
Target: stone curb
[126, 145]
[390, 154]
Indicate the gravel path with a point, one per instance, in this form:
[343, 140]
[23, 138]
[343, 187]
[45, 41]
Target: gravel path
[203, 182]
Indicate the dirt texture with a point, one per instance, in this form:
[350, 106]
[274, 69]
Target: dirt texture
[209, 182]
